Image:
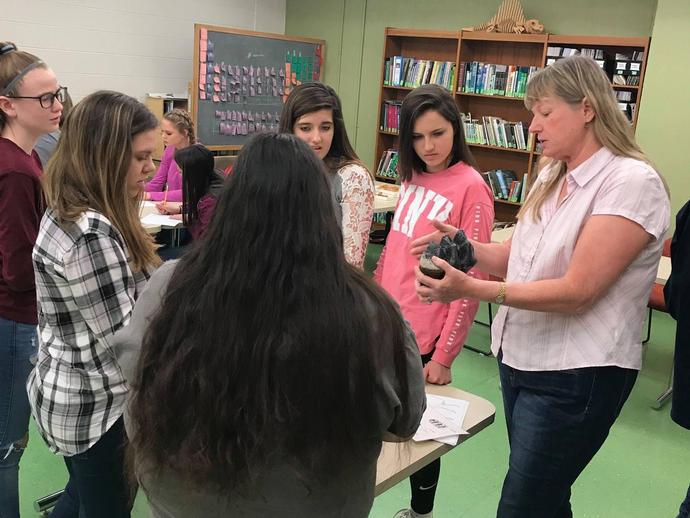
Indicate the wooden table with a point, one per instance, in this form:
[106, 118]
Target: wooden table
[149, 207]
[398, 461]
[386, 198]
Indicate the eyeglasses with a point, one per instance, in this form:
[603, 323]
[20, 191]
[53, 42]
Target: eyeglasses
[48, 99]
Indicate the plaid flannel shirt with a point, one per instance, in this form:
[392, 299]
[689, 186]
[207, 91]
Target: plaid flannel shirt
[86, 291]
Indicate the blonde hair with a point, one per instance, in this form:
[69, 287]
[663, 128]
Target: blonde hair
[572, 80]
[13, 62]
[90, 165]
[183, 122]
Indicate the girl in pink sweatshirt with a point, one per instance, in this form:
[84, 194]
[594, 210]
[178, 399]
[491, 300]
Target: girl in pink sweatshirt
[439, 181]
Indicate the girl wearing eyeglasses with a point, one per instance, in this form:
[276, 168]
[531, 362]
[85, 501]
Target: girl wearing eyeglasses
[29, 107]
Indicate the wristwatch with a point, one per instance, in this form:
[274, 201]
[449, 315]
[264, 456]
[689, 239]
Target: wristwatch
[501, 297]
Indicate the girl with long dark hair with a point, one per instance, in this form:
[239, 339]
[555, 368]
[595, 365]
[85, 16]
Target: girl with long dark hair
[272, 392]
[201, 184]
[313, 113]
[439, 180]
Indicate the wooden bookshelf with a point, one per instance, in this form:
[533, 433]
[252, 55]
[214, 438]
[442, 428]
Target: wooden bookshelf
[610, 47]
[523, 50]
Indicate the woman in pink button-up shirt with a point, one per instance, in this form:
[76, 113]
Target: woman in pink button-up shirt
[578, 273]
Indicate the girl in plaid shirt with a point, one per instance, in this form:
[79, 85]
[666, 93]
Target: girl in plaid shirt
[91, 261]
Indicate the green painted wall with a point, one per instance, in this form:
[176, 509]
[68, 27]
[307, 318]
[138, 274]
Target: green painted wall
[662, 126]
[353, 30]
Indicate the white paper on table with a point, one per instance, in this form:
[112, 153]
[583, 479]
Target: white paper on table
[148, 203]
[160, 220]
[442, 420]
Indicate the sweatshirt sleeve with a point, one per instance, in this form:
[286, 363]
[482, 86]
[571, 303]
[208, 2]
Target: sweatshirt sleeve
[165, 179]
[19, 222]
[476, 220]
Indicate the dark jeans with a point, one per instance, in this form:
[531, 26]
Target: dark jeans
[557, 421]
[97, 486]
[17, 345]
[423, 483]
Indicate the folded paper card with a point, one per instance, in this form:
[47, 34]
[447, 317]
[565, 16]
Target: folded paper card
[442, 420]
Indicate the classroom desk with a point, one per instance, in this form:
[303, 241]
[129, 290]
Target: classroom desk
[386, 198]
[398, 461]
[149, 207]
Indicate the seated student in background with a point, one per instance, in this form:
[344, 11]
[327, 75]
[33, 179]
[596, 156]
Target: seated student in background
[92, 259]
[435, 164]
[201, 184]
[579, 270]
[314, 114]
[177, 129]
[45, 145]
[29, 106]
[278, 408]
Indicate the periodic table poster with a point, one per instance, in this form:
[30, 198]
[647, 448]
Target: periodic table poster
[242, 78]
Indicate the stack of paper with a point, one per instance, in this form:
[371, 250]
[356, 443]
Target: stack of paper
[442, 420]
[160, 220]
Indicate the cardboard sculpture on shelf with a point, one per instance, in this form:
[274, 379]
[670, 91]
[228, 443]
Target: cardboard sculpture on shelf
[510, 18]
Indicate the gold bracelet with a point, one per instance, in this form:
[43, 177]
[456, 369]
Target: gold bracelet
[501, 297]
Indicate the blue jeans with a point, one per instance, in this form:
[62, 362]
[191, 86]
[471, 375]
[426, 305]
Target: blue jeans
[98, 486]
[17, 345]
[557, 421]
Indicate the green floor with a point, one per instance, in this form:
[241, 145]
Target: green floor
[638, 473]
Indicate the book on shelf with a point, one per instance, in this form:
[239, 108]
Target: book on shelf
[412, 72]
[390, 116]
[494, 79]
[495, 131]
[554, 53]
[506, 185]
[388, 164]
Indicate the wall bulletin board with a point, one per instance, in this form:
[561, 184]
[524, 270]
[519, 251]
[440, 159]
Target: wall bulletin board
[242, 78]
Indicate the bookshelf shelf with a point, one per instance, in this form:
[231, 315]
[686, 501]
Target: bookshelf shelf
[499, 148]
[625, 87]
[511, 51]
[502, 97]
[407, 88]
[506, 202]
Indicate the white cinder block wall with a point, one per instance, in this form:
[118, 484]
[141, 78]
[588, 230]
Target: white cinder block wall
[132, 46]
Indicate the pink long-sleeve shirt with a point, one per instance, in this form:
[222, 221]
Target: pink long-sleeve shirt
[169, 175]
[458, 196]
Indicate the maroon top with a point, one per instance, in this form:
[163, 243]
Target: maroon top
[205, 208]
[21, 209]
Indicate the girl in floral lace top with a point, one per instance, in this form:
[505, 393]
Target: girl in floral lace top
[314, 114]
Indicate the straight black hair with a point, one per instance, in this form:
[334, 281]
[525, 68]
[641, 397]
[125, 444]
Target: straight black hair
[268, 345]
[416, 103]
[199, 178]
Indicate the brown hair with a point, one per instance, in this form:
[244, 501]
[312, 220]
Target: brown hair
[90, 165]
[311, 97]
[13, 62]
[183, 122]
[416, 103]
[572, 80]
